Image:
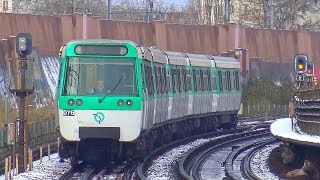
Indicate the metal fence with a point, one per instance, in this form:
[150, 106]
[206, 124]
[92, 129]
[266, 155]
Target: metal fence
[39, 134]
[262, 109]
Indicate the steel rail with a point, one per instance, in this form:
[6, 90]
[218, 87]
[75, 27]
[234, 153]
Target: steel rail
[232, 156]
[245, 163]
[147, 161]
[189, 164]
[89, 173]
[67, 175]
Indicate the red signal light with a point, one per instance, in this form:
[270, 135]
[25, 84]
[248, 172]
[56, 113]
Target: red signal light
[309, 71]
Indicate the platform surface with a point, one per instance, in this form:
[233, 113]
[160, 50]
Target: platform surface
[282, 129]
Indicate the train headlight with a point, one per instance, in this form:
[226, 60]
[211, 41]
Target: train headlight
[120, 102]
[71, 102]
[79, 102]
[129, 102]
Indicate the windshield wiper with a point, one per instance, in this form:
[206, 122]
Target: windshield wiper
[110, 92]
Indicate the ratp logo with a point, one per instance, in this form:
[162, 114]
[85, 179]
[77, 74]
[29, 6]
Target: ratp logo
[98, 117]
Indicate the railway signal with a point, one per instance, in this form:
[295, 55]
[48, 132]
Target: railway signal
[300, 66]
[300, 63]
[310, 74]
[23, 44]
[310, 70]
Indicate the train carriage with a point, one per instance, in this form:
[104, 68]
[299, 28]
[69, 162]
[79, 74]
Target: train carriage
[144, 93]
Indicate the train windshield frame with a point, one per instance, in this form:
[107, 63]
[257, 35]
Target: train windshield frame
[85, 76]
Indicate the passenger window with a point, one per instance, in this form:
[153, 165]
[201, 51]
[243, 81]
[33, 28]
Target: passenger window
[213, 80]
[188, 80]
[221, 81]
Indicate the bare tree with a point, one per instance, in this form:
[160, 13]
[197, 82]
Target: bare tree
[53, 7]
[287, 13]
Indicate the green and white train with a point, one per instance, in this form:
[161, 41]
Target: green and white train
[147, 97]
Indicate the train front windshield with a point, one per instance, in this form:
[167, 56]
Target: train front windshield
[100, 76]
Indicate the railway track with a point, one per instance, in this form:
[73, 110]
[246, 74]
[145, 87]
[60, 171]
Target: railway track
[142, 168]
[137, 169]
[196, 161]
[84, 171]
[243, 155]
[73, 171]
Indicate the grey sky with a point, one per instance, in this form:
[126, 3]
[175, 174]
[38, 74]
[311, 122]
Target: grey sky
[177, 2]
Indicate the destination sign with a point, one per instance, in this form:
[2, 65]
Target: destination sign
[105, 50]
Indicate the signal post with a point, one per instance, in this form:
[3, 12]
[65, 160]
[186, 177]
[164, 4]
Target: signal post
[310, 74]
[300, 65]
[21, 84]
[304, 69]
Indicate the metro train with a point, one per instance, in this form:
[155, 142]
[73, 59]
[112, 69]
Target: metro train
[118, 99]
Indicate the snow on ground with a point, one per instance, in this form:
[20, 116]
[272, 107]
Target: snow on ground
[161, 167]
[51, 70]
[259, 163]
[248, 122]
[48, 169]
[283, 128]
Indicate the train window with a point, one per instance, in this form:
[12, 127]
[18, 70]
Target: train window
[188, 80]
[232, 80]
[175, 80]
[201, 80]
[158, 79]
[204, 80]
[213, 80]
[178, 81]
[143, 80]
[149, 78]
[172, 76]
[194, 79]
[237, 80]
[163, 82]
[181, 79]
[220, 80]
[83, 75]
[167, 80]
[185, 80]
[229, 81]
[209, 79]
[160, 84]
[197, 80]
[224, 80]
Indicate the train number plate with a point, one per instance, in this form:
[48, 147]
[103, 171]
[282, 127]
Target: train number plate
[68, 112]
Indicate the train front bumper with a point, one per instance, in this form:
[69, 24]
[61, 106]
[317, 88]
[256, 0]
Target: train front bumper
[114, 124]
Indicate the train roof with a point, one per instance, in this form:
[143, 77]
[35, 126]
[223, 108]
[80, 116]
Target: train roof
[104, 41]
[226, 62]
[176, 58]
[200, 60]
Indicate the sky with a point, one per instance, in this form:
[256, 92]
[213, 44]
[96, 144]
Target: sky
[177, 2]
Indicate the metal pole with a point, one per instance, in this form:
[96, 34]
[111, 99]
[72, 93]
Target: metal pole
[26, 142]
[148, 12]
[74, 6]
[271, 14]
[226, 11]
[84, 26]
[151, 9]
[22, 166]
[109, 10]
[5, 111]
[14, 151]
[21, 136]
